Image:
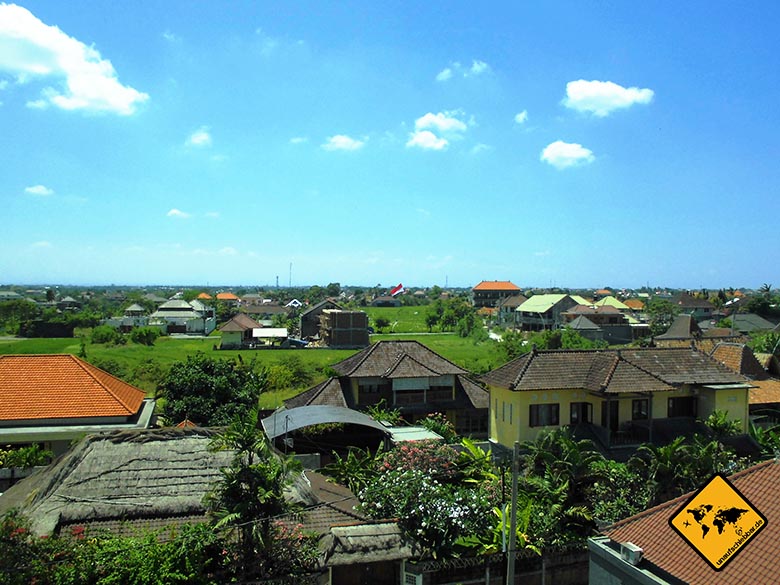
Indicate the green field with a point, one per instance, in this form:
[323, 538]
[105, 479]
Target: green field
[476, 357]
[129, 358]
[402, 319]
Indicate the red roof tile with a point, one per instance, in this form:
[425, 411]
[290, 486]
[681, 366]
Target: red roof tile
[496, 285]
[663, 548]
[62, 386]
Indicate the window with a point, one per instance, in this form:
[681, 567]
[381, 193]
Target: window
[639, 409]
[543, 415]
[682, 406]
[581, 412]
[510, 413]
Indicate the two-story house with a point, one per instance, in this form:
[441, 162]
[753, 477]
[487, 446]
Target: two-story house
[544, 311]
[407, 376]
[619, 397]
[489, 293]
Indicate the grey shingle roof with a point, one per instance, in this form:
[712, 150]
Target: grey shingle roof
[626, 370]
[378, 359]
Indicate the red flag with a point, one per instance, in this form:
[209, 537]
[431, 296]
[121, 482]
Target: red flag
[397, 290]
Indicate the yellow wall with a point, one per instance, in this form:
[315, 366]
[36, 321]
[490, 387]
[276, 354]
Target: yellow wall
[733, 401]
[505, 404]
[518, 405]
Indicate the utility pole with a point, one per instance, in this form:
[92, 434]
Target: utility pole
[512, 550]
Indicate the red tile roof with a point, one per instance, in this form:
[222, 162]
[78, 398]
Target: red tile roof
[496, 285]
[663, 548]
[226, 296]
[62, 386]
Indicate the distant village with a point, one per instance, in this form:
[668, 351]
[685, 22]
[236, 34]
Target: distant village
[612, 377]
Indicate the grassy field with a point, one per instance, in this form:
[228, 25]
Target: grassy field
[477, 358]
[402, 319]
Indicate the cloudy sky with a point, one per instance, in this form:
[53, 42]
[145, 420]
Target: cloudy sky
[549, 143]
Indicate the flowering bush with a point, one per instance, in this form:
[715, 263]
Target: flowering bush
[433, 513]
[438, 423]
[430, 457]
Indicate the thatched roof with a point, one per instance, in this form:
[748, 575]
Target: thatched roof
[126, 475]
[365, 543]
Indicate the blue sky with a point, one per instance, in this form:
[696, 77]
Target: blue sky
[548, 143]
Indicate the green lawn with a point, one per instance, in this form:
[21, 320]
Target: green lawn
[475, 357]
[402, 319]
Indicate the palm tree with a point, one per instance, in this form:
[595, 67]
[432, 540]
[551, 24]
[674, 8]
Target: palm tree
[667, 468]
[250, 493]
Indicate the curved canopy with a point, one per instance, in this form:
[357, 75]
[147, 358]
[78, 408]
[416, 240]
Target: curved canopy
[287, 420]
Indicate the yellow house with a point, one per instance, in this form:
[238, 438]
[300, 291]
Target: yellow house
[619, 397]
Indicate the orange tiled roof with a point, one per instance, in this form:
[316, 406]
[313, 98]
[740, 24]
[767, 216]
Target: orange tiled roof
[635, 304]
[765, 392]
[62, 386]
[756, 563]
[226, 296]
[205, 296]
[496, 285]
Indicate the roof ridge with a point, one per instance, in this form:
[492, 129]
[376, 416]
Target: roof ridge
[531, 355]
[616, 359]
[404, 356]
[83, 365]
[366, 352]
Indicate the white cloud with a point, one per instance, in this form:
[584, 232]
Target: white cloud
[563, 155]
[40, 190]
[479, 147]
[443, 122]
[298, 140]
[427, 140]
[444, 74]
[178, 213]
[228, 251]
[31, 49]
[212, 214]
[522, 117]
[343, 142]
[200, 138]
[41, 244]
[603, 97]
[3, 84]
[478, 68]
[170, 37]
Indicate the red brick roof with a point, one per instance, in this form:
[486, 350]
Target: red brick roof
[496, 285]
[663, 548]
[62, 386]
[226, 296]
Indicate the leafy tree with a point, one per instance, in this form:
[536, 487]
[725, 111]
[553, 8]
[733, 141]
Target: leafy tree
[144, 335]
[666, 468]
[210, 392]
[356, 470]
[250, 495]
[106, 334]
[380, 412]
[381, 323]
[617, 493]
[768, 342]
[661, 313]
[431, 320]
